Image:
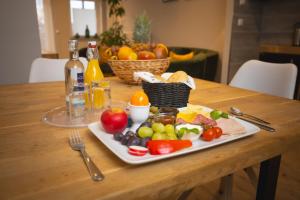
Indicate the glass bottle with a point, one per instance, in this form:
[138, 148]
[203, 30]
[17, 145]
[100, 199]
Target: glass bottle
[74, 73]
[87, 31]
[93, 72]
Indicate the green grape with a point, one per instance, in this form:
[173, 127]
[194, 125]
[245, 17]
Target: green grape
[158, 127]
[169, 128]
[172, 136]
[145, 131]
[159, 136]
[154, 109]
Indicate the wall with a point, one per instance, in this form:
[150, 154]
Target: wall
[264, 22]
[193, 23]
[245, 39]
[278, 21]
[19, 39]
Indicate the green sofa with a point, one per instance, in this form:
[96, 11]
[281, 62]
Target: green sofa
[203, 65]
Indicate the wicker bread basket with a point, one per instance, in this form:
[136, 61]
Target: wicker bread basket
[167, 94]
[124, 69]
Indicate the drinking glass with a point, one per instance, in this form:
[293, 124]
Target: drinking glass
[78, 98]
[100, 95]
[87, 96]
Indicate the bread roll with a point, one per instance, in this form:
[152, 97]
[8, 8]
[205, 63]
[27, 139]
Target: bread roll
[160, 78]
[179, 76]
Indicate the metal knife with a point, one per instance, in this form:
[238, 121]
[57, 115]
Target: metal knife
[262, 126]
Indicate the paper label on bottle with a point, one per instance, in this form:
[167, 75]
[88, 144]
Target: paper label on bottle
[77, 77]
[80, 78]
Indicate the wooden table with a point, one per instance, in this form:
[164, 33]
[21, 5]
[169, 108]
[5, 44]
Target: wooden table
[36, 161]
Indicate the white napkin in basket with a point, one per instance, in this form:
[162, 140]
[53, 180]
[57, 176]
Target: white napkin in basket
[149, 77]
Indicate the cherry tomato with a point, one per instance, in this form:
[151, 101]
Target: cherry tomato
[218, 131]
[209, 134]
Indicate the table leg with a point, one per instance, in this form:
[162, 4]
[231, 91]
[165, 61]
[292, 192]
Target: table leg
[226, 186]
[268, 174]
[185, 194]
[252, 176]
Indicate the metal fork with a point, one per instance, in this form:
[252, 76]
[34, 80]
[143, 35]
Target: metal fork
[77, 144]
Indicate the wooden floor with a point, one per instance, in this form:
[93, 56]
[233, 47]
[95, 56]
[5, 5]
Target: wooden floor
[288, 186]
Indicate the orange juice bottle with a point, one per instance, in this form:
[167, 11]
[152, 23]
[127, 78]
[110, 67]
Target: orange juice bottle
[93, 73]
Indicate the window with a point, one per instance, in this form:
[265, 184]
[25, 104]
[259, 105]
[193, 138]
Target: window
[83, 15]
[89, 5]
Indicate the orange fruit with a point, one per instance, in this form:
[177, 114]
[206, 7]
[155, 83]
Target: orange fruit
[124, 53]
[139, 98]
[160, 45]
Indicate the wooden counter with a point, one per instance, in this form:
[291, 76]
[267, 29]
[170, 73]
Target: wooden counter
[281, 49]
[36, 161]
[282, 54]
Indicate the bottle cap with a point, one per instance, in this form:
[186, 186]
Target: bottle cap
[73, 44]
[92, 44]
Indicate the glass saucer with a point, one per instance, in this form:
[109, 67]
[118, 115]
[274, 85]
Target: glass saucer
[59, 117]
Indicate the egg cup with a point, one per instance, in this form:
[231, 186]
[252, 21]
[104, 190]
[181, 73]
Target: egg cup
[138, 114]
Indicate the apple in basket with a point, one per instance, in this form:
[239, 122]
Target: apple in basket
[114, 120]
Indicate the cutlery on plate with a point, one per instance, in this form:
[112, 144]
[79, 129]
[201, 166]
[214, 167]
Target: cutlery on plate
[77, 144]
[238, 112]
[262, 126]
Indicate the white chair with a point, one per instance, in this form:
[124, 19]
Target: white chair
[45, 70]
[271, 78]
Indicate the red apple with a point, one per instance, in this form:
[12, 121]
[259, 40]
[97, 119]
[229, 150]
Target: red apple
[145, 55]
[114, 120]
[160, 52]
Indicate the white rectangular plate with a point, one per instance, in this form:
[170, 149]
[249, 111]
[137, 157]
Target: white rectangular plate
[122, 151]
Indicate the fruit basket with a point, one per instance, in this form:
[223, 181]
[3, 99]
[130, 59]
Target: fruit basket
[124, 69]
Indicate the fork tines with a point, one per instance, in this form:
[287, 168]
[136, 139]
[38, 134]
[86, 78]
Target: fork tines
[74, 137]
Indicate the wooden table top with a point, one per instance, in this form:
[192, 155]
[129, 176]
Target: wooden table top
[36, 161]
